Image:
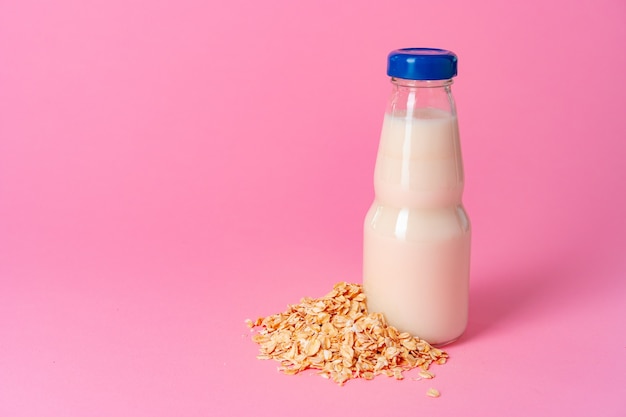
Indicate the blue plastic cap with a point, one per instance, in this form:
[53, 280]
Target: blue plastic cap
[422, 64]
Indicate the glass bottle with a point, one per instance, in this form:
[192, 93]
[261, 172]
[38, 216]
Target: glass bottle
[416, 243]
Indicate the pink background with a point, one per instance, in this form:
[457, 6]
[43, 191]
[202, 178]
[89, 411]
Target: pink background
[171, 168]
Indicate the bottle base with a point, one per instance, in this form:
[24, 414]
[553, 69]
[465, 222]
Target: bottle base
[449, 342]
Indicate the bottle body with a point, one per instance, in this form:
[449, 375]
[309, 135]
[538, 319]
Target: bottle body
[417, 234]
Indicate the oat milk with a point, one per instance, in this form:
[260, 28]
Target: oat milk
[417, 233]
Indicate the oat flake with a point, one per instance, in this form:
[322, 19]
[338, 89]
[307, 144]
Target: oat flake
[338, 337]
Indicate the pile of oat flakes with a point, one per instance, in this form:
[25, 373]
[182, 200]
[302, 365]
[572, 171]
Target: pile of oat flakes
[337, 336]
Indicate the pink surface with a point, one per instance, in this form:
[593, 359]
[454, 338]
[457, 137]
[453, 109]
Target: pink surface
[169, 169]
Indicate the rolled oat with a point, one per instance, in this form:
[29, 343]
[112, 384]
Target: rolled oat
[338, 337]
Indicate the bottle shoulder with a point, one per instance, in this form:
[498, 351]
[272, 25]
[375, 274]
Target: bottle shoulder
[418, 223]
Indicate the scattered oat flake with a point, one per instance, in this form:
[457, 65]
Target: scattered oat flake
[432, 392]
[426, 375]
[336, 335]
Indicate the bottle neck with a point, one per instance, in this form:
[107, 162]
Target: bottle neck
[405, 83]
[421, 99]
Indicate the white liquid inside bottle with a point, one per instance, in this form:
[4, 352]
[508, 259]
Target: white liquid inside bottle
[417, 233]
